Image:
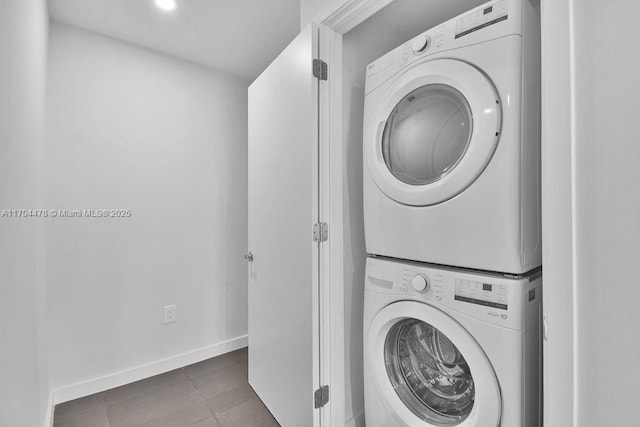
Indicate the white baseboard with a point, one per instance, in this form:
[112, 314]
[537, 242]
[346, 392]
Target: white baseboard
[117, 379]
[355, 421]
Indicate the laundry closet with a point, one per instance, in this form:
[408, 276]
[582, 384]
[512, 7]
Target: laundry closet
[461, 234]
[339, 46]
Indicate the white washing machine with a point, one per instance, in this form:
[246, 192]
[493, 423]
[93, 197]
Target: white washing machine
[452, 143]
[450, 347]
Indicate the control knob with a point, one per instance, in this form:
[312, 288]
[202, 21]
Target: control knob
[420, 44]
[420, 283]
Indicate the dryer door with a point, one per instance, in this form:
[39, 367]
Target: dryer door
[430, 370]
[434, 133]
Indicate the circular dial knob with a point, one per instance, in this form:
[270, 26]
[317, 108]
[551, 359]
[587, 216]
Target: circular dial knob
[420, 283]
[420, 44]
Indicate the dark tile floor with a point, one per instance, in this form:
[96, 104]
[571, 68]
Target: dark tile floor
[212, 393]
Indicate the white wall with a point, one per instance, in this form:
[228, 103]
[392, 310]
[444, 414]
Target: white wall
[597, 291]
[24, 385]
[607, 90]
[129, 128]
[308, 9]
[311, 8]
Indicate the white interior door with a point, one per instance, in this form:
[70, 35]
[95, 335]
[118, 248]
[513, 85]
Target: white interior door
[283, 206]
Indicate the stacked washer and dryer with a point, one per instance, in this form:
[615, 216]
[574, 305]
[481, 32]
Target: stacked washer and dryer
[452, 310]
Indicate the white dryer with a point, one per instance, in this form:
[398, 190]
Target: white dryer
[450, 347]
[452, 143]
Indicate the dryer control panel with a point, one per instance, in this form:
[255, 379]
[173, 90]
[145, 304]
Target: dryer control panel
[489, 14]
[491, 21]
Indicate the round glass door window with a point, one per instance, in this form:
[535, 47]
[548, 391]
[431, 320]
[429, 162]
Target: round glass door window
[427, 134]
[428, 373]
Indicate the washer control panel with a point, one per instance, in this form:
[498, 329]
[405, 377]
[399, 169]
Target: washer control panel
[481, 293]
[492, 298]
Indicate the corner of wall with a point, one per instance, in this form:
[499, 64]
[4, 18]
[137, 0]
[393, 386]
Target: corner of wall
[48, 419]
[24, 363]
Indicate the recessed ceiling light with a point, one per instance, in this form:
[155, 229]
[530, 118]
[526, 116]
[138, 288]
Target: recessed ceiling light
[167, 5]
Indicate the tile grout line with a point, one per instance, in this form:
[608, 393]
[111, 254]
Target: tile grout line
[213, 415]
[106, 408]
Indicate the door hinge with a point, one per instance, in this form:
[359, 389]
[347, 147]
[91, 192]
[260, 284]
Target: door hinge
[320, 69]
[320, 232]
[321, 396]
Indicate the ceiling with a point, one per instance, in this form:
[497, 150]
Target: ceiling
[240, 37]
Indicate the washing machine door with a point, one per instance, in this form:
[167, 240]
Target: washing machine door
[434, 132]
[429, 370]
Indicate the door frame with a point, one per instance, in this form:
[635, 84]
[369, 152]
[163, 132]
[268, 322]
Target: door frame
[558, 213]
[337, 19]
